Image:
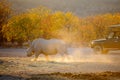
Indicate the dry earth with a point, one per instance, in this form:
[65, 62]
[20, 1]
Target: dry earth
[84, 66]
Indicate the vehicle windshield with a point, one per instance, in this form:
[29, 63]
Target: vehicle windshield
[114, 35]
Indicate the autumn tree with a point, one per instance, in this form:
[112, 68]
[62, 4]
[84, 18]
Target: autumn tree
[96, 27]
[53, 24]
[42, 22]
[5, 12]
[101, 23]
[25, 26]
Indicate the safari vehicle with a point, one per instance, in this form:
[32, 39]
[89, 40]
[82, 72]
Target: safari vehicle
[111, 42]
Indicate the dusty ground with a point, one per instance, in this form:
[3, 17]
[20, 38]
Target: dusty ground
[82, 65]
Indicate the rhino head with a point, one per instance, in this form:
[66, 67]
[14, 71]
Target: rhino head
[30, 52]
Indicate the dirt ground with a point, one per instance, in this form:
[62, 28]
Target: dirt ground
[83, 65]
[24, 69]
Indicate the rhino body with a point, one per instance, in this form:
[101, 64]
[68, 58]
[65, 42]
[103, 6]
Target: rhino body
[47, 47]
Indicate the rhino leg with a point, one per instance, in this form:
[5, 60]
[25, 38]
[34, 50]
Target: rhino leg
[64, 55]
[36, 56]
[47, 57]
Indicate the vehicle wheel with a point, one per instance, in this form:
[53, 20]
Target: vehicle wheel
[98, 49]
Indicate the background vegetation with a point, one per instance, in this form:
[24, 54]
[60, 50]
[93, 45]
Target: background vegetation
[43, 22]
[5, 13]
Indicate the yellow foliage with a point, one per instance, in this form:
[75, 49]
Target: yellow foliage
[41, 22]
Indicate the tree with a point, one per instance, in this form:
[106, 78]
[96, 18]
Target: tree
[42, 22]
[5, 12]
[25, 26]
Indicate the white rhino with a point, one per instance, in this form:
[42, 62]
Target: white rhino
[46, 47]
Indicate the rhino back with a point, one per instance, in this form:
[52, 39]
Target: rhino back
[52, 46]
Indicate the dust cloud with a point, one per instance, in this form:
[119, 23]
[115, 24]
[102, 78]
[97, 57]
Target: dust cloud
[80, 55]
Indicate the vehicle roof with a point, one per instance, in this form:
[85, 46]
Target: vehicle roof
[118, 25]
[115, 27]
